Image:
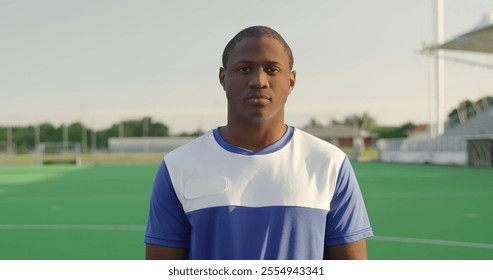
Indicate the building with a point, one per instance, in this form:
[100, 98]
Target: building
[342, 136]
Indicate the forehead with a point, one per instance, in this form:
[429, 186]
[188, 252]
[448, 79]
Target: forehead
[259, 50]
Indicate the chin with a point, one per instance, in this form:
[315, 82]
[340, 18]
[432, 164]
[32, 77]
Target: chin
[261, 119]
[257, 117]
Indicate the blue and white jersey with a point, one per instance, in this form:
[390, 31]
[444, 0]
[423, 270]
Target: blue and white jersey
[286, 201]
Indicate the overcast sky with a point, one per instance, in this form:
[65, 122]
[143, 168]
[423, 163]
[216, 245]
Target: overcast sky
[102, 61]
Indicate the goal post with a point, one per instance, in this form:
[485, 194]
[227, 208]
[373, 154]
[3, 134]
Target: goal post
[59, 153]
[480, 152]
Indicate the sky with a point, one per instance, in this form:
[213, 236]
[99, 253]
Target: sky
[102, 61]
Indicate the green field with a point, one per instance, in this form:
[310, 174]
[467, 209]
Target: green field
[100, 211]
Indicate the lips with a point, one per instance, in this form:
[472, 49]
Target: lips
[258, 99]
[258, 96]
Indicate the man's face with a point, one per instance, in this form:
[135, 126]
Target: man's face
[257, 80]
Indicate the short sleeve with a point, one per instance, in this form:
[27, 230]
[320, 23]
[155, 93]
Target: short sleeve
[347, 220]
[167, 224]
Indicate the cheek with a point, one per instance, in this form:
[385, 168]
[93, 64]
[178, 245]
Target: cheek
[229, 96]
[232, 85]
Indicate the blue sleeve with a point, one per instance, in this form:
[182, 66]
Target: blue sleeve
[347, 220]
[167, 224]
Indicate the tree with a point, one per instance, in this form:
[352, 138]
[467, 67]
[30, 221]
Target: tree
[158, 129]
[48, 133]
[196, 133]
[23, 137]
[314, 123]
[365, 121]
[144, 127]
[394, 132]
[75, 132]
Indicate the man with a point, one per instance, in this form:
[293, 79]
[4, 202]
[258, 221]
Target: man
[256, 188]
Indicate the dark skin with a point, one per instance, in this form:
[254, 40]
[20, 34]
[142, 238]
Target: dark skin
[156, 252]
[257, 82]
[351, 251]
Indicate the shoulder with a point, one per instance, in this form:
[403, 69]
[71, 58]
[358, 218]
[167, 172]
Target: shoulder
[317, 147]
[191, 148]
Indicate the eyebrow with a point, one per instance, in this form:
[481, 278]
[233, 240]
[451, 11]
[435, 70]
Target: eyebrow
[250, 62]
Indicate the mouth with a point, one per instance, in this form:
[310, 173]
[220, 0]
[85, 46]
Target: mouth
[258, 98]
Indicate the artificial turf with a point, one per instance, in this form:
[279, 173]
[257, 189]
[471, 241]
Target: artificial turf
[99, 211]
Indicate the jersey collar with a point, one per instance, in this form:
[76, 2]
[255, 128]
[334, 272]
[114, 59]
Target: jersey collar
[274, 147]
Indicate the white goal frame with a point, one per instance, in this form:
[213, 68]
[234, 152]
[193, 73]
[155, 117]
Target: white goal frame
[59, 153]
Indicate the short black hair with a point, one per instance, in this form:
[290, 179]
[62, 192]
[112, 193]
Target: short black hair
[256, 32]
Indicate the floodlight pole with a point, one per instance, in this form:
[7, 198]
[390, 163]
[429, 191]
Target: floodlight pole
[10, 146]
[120, 130]
[37, 138]
[146, 127]
[65, 139]
[84, 139]
[439, 68]
[93, 138]
[93, 141]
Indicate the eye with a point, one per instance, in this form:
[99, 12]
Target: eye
[272, 70]
[244, 69]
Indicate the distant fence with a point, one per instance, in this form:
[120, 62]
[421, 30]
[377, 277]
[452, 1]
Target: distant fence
[456, 150]
[443, 150]
[146, 144]
[120, 150]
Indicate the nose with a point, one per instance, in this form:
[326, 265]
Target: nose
[258, 79]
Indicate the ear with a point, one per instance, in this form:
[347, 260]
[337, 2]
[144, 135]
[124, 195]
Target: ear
[292, 80]
[222, 75]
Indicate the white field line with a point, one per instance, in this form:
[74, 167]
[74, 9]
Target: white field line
[72, 227]
[430, 194]
[142, 228]
[432, 242]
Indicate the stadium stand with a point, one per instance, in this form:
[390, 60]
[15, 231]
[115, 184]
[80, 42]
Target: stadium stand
[480, 124]
[465, 143]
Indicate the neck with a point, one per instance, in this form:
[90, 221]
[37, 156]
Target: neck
[253, 137]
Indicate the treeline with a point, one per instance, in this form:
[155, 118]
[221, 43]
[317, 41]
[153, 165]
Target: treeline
[393, 132]
[24, 139]
[367, 122]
